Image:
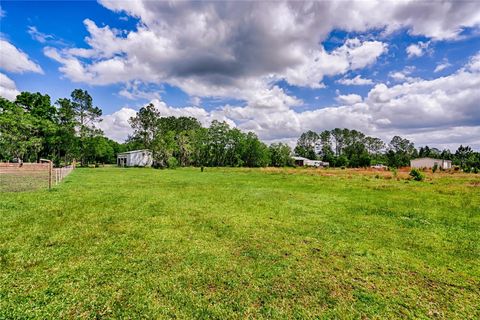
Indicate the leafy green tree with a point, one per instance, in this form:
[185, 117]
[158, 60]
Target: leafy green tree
[163, 146]
[307, 144]
[37, 105]
[99, 150]
[183, 129]
[341, 161]
[475, 162]
[178, 125]
[44, 119]
[357, 155]
[463, 156]
[256, 153]
[217, 143]
[67, 146]
[392, 159]
[400, 152]
[146, 125]
[338, 139]
[18, 132]
[236, 144]
[326, 150]
[132, 143]
[200, 153]
[375, 148]
[425, 152]
[280, 155]
[32, 128]
[374, 145]
[446, 155]
[185, 147]
[86, 117]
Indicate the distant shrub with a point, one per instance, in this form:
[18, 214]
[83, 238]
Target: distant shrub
[417, 175]
[342, 167]
[394, 172]
[172, 163]
[435, 168]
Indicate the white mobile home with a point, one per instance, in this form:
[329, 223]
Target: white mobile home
[430, 163]
[136, 158]
[301, 161]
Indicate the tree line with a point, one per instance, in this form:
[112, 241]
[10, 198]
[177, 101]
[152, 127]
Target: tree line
[183, 141]
[32, 128]
[352, 148]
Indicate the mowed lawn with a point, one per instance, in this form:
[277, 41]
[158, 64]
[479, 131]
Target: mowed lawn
[241, 243]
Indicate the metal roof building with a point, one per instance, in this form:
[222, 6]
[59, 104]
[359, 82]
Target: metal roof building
[301, 161]
[135, 158]
[430, 163]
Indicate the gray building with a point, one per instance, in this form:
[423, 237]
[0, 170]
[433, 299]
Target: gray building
[135, 158]
[430, 163]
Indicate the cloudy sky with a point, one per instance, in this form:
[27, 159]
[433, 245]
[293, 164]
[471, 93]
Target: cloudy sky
[409, 68]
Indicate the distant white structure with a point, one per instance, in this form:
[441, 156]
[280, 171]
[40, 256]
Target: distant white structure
[430, 163]
[301, 162]
[379, 166]
[135, 158]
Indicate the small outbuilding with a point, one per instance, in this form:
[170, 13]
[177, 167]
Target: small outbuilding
[304, 162]
[135, 158]
[379, 166]
[430, 163]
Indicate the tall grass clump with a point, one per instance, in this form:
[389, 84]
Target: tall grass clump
[417, 175]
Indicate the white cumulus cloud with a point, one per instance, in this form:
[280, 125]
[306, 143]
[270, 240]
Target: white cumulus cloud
[418, 49]
[8, 89]
[356, 81]
[240, 43]
[15, 60]
[442, 66]
[349, 99]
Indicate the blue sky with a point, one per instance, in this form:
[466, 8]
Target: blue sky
[274, 68]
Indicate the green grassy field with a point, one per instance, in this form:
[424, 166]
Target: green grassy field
[23, 181]
[241, 243]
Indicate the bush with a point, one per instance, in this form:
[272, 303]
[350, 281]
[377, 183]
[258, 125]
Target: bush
[172, 163]
[435, 168]
[394, 172]
[417, 175]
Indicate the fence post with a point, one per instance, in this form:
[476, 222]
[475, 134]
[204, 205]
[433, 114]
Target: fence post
[50, 168]
[50, 175]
